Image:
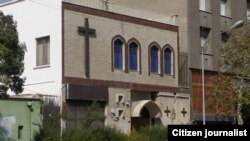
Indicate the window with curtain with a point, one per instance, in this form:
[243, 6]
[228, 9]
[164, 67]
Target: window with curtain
[43, 51]
[204, 32]
[248, 9]
[154, 59]
[202, 5]
[223, 7]
[118, 54]
[224, 38]
[133, 57]
[167, 61]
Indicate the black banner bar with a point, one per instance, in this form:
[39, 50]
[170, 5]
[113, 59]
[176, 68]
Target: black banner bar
[208, 132]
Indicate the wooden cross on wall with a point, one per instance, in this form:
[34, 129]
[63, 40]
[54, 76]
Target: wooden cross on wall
[184, 112]
[87, 33]
[167, 111]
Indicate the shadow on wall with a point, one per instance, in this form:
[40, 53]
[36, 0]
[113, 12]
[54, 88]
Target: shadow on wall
[3, 131]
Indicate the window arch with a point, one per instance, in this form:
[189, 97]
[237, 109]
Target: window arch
[118, 52]
[168, 60]
[154, 58]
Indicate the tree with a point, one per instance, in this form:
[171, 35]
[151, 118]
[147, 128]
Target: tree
[93, 116]
[11, 57]
[230, 91]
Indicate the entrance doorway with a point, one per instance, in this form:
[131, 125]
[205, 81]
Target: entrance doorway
[142, 121]
[144, 114]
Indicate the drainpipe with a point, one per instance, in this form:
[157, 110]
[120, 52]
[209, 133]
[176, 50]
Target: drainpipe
[29, 104]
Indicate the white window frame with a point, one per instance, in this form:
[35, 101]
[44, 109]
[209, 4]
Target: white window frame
[45, 41]
[248, 9]
[202, 5]
[223, 7]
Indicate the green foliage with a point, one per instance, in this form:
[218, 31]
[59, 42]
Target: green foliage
[90, 132]
[137, 136]
[98, 134]
[107, 134]
[155, 133]
[222, 98]
[77, 135]
[231, 87]
[47, 134]
[236, 52]
[92, 116]
[11, 57]
[50, 131]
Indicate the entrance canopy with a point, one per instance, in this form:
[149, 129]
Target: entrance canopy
[153, 108]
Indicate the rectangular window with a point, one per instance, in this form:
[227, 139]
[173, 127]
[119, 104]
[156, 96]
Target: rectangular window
[43, 51]
[248, 9]
[20, 130]
[223, 7]
[154, 59]
[224, 38]
[204, 32]
[202, 5]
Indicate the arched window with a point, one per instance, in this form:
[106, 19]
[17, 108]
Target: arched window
[167, 61]
[133, 49]
[118, 54]
[154, 59]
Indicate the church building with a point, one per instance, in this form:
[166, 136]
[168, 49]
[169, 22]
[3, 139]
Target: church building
[128, 64]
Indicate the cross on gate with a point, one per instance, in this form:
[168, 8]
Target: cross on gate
[167, 111]
[87, 33]
[184, 112]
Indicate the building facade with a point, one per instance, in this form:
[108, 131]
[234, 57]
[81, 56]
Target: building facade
[126, 63]
[198, 20]
[39, 27]
[208, 20]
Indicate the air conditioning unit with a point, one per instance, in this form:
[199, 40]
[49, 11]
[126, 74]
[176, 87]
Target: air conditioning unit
[29, 104]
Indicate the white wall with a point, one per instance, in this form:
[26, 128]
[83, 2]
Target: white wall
[38, 18]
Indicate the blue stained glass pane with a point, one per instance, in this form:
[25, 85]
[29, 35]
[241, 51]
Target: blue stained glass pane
[154, 59]
[167, 61]
[133, 56]
[118, 54]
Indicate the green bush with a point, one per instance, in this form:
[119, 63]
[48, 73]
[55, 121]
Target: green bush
[108, 134]
[136, 136]
[47, 134]
[99, 134]
[77, 135]
[155, 133]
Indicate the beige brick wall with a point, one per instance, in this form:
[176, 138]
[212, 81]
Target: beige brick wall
[100, 49]
[123, 122]
[174, 102]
